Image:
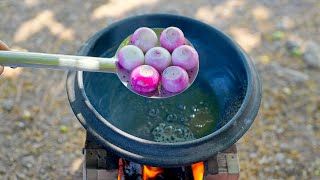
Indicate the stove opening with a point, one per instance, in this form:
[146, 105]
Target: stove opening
[128, 170]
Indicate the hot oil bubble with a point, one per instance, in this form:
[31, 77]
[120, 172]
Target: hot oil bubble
[153, 112]
[201, 124]
[171, 133]
[172, 117]
[195, 113]
[149, 123]
[182, 107]
[203, 104]
[183, 119]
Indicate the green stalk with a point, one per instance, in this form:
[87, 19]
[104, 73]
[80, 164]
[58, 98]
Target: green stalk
[56, 61]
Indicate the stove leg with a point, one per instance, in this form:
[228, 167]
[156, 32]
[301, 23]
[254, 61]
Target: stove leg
[99, 164]
[224, 165]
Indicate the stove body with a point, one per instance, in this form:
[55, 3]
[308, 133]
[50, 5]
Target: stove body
[101, 164]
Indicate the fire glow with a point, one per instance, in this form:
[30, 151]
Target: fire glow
[198, 170]
[128, 169]
[120, 169]
[151, 172]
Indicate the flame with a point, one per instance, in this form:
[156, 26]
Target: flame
[120, 169]
[151, 172]
[198, 170]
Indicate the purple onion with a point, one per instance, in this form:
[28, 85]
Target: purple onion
[185, 57]
[130, 57]
[144, 38]
[171, 38]
[175, 79]
[145, 78]
[159, 58]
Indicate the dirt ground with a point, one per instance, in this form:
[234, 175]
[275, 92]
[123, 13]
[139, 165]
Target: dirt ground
[41, 139]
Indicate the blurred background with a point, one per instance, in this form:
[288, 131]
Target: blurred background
[41, 139]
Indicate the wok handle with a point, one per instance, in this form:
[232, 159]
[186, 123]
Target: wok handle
[57, 61]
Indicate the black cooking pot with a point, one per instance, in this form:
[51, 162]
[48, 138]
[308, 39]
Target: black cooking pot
[225, 70]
